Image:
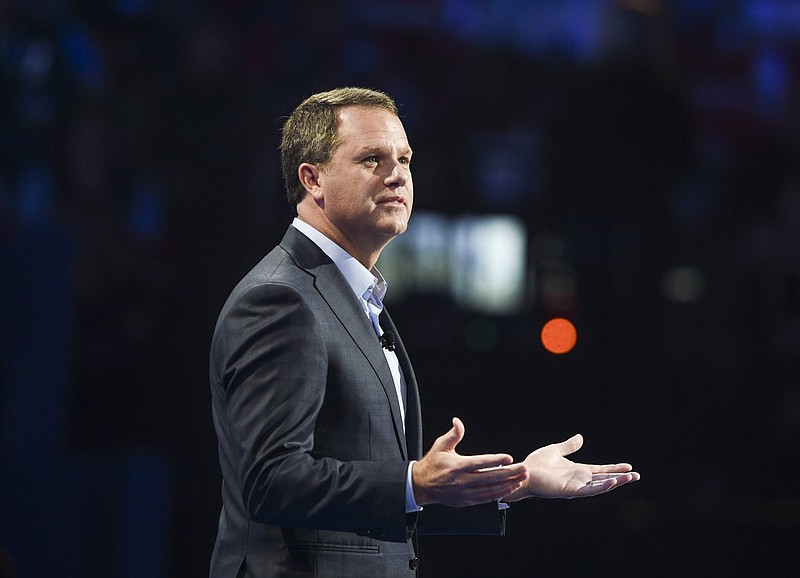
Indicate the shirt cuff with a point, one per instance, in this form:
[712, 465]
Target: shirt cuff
[411, 503]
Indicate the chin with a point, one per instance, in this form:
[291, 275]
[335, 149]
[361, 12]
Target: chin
[394, 226]
[400, 229]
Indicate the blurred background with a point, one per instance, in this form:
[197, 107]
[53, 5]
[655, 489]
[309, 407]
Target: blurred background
[631, 166]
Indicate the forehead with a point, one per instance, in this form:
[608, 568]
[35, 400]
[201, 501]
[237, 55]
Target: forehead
[360, 126]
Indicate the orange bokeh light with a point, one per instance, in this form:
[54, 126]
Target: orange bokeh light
[559, 335]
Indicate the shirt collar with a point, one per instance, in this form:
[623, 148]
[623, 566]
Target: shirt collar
[361, 280]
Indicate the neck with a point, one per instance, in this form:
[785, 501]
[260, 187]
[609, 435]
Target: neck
[365, 253]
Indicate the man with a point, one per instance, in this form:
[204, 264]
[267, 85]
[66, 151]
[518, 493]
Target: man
[314, 399]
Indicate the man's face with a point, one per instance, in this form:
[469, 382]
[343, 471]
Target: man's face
[367, 191]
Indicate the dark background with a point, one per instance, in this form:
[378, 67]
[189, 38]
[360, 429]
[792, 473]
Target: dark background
[650, 148]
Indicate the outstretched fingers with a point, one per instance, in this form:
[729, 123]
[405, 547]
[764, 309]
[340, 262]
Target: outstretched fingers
[445, 476]
[487, 484]
[611, 468]
[602, 483]
[607, 468]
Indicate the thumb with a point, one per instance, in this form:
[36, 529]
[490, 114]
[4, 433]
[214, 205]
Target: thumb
[571, 445]
[449, 441]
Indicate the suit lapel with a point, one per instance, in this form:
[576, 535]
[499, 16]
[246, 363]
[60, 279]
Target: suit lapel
[334, 289]
[413, 410]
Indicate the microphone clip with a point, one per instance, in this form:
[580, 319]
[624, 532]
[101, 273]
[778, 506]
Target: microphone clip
[387, 340]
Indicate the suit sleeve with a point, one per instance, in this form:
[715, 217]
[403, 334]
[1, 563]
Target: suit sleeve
[480, 520]
[270, 373]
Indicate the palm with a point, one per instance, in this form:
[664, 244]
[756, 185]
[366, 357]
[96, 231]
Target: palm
[552, 475]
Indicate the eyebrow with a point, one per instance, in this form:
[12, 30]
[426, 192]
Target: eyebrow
[379, 149]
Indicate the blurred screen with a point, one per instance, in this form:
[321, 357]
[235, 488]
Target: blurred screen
[478, 261]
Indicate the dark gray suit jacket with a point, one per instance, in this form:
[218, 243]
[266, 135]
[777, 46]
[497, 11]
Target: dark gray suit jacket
[311, 444]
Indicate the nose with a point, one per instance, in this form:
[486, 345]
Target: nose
[398, 177]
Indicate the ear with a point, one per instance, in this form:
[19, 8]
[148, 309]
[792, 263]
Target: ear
[309, 178]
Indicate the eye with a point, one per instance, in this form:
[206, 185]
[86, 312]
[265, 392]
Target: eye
[405, 161]
[372, 159]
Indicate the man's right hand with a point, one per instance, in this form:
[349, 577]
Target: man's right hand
[443, 476]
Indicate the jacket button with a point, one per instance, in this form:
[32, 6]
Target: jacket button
[413, 563]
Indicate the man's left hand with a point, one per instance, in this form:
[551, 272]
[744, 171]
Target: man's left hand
[552, 475]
